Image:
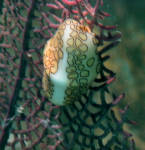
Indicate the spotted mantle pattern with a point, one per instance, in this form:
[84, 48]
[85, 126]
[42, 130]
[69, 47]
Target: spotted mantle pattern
[70, 61]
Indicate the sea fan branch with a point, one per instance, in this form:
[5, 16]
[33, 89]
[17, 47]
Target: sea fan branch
[21, 73]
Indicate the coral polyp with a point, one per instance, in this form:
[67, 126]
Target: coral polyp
[70, 62]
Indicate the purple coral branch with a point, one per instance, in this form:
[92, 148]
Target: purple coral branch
[107, 82]
[71, 3]
[52, 25]
[21, 73]
[118, 99]
[81, 14]
[53, 6]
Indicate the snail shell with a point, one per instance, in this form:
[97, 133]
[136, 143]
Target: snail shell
[70, 62]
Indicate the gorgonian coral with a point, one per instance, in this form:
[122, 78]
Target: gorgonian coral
[28, 119]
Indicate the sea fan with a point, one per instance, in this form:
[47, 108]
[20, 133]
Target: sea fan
[28, 120]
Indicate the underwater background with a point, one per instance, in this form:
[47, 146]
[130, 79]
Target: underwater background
[128, 61]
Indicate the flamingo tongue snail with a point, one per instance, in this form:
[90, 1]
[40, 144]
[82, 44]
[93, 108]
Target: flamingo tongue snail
[70, 61]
